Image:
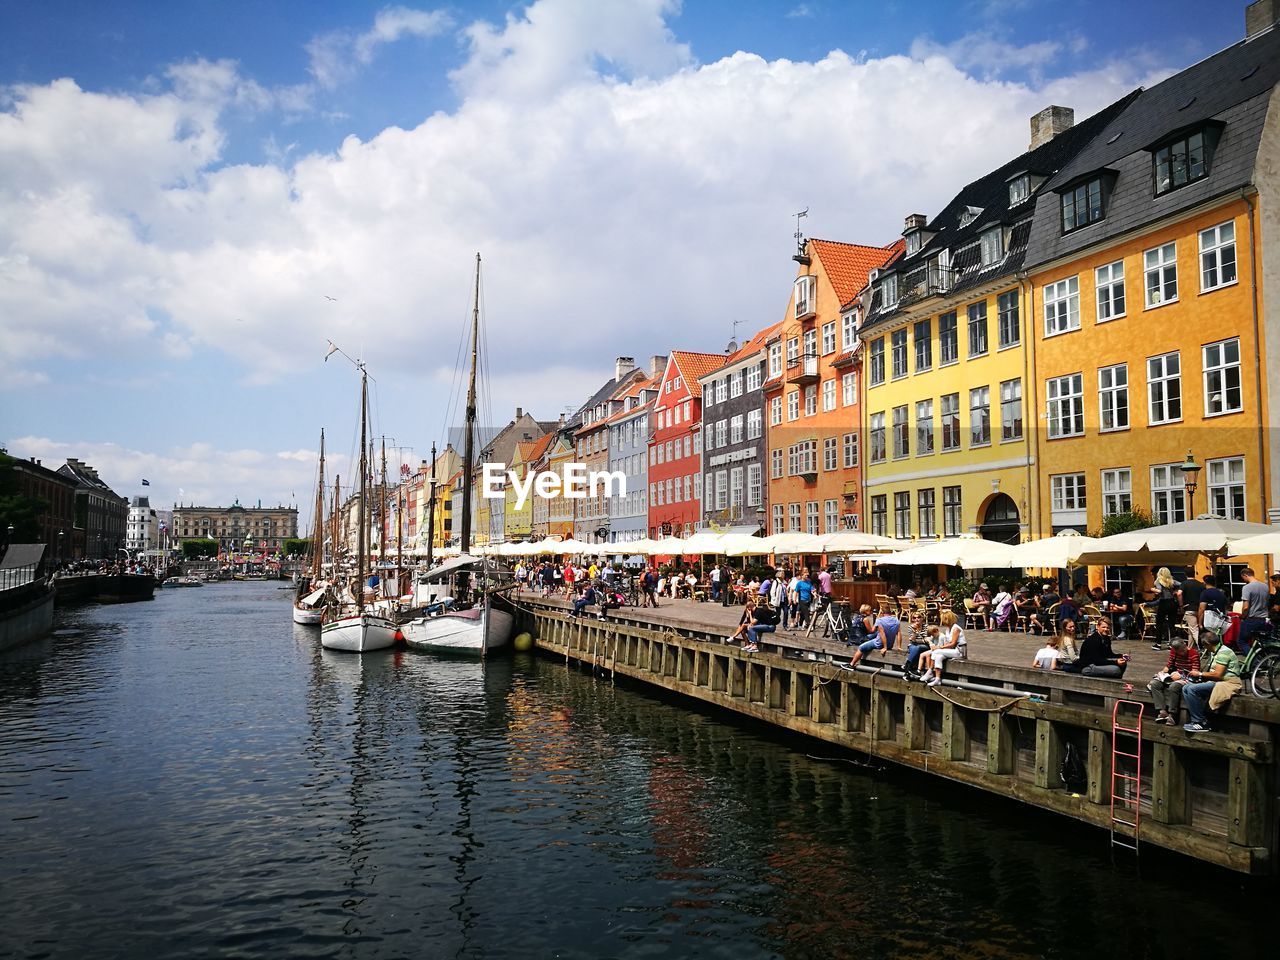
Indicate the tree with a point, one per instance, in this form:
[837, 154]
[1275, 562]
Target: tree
[17, 510]
[1135, 519]
[191, 549]
[296, 547]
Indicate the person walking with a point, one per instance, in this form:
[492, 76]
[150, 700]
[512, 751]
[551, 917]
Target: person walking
[1168, 602]
[1253, 617]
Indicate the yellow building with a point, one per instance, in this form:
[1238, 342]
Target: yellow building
[948, 448]
[519, 519]
[1151, 332]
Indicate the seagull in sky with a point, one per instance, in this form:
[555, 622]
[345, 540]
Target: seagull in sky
[334, 299]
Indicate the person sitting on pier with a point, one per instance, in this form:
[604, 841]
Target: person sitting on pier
[585, 599]
[919, 640]
[1210, 689]
[1166, 686]
[953, 646]
[861, 626]
[883, 636]
[764, 619]
[747, 618]
[1097, 659]
[1048, 657]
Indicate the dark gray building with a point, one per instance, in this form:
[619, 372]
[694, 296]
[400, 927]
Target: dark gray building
[101, 516]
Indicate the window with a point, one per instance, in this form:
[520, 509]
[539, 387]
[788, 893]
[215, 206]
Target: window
[951, 421]
[805, 287]
[735, 487]
[828, 338]
[901, 433]
[951, 511]
[1066, 406]
[978, 328]
[889, 292]
[831, 516]
[688, 438]
[1181, 162]
[924, 345]
[1082, 205]
[924, 428]
[1164, 388]
[828, 395]
[1226, 488]
[1062, 306]
[1117, 492]
[775, 411]
[848, 331]
[719, 442]
[735, 385]
[777, 518]
[810, 344]
[1109, 282]
[735, 429]
[810, 400]
[1161, 271]
[899, 353]
[992, 244]
[877, 438]
[754, 377]
[1168, 496]
[775, 359]
[697, 442]
[913, 242]
[689, 494]
[1067, 491]
[849, 389]
[722, 489]
[660, 449]
[722, 388]
[877, 361]
[902, 515]
[1019, 189]
[793, 351]
[1113, 397]
[1218, 256]
[811, 518]
[793, 517]
[1011, 410]
[793, 405]
[775, 464]
[925, 523]
[850, 444]
[655, 494]
[830, 453]
[1009, 327]
[948, 341]
[880, 515]
[979, 416]
[1222, 378]
[753, 485]
[802, 458]
[722, 432]
[755, 424]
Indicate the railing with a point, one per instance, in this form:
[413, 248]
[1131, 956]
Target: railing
[11, 577]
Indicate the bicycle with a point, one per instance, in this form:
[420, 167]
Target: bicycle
[834, 615]
[1262, 664]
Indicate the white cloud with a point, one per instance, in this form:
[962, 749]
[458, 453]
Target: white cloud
[802, 10]
[986, 53]
[336, 56]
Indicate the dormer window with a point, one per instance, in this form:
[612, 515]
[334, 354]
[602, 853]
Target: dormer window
[969, 214]
[992, 246]
[1019, 189]
[889, 292]
[1085, 201]
[913, 242]
[804, 295]
[1184, 160]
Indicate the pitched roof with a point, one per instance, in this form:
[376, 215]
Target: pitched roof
[847, 265]
[539, 447]
[695, 365]
[752, 346]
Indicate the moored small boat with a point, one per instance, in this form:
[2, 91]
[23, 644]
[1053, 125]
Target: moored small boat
[358, 632]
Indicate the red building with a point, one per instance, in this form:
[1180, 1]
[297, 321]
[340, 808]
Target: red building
[675, 445]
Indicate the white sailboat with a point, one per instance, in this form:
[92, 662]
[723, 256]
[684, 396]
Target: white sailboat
[480, 623]
[308, 604]
[353, 627]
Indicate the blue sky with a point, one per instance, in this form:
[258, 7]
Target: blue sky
[183, 185]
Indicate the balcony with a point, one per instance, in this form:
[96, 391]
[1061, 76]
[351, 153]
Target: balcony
[803, 370]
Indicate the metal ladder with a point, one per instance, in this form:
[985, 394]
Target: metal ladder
[1126, 774]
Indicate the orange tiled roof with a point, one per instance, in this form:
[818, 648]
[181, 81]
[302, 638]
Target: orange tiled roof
[538, 447]
[695, 365]
[848, 264]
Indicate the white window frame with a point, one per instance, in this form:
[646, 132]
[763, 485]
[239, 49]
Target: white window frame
[755, 424]
[1113, 398]
[1061, 306]
[1117, 491]
[735, 384]
[848, 331]
[793, 405]
[1227, 489]
[1068, 492]
[849, 389]
[1160, 403]
[1219, 371]
[779, 519]
[775, 464]
[810, 399]
[828, 337]
[805, 288]
[1168, 493]
[849, 450]
[991, 244]
[830, 516]
[775, 411]
[1217, 253]
[754, 485]
[830, 453]
[736, 428]
[1065, 405]
[828, 395]
[775, 359]
[1109, 293]
[1159, 274]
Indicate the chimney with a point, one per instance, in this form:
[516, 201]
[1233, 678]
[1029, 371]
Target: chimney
[1259, 16]
[1050, 122]
[519, 412]
[914, 221]
[657, 364]
[622, 366]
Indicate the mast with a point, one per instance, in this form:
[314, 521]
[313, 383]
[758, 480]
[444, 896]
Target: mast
[382, 509]
[431, 509]
[362, 538]
[336, 523]
[317, 525]
[469, 445]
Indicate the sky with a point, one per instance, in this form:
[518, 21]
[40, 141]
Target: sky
[196, 197]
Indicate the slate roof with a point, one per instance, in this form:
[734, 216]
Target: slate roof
[1233, 87]
[989, 195]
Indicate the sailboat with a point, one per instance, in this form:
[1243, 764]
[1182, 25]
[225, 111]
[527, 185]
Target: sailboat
[308, 606]
[476, 619]
[350, 625]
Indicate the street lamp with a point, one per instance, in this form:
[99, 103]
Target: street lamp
[59, 558]
[1190, 471]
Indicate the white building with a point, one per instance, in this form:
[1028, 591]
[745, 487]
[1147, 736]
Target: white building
[143, 529]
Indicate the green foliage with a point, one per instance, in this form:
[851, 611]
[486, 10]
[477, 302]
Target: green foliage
[199, 548]
[16, 510]
[296, 546]
[1135, 519]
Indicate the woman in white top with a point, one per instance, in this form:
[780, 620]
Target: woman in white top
[1047, 657]
[953, 645]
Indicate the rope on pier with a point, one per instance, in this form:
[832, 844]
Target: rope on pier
[968, 706]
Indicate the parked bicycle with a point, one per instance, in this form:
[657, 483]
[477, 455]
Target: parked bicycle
[1262, 664]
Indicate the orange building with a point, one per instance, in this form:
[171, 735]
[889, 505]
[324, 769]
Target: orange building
[811, 392]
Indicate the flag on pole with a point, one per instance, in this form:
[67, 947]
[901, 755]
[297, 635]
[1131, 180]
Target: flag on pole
[333, 348]
[146, 483]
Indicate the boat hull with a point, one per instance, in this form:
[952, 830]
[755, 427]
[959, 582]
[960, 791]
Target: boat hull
[358, 633]
[469, 632]
[308, 616]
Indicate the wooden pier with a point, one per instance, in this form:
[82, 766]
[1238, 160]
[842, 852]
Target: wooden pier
[1210, 796]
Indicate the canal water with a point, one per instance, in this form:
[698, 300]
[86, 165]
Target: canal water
[195, 776]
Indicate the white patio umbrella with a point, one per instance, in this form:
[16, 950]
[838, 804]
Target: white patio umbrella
[748, 546]
[1059, 552]
[1208, 535]
[669, 546]
[968, 552]
[644, 547]
[705, 541]
[855, 541]
[1258, 544]
[572, 546]
[793, 543]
